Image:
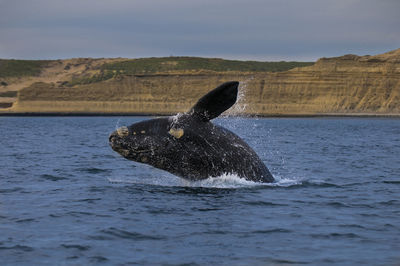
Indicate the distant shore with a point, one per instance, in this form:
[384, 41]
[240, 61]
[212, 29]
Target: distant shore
[345, 86]
[88, 114]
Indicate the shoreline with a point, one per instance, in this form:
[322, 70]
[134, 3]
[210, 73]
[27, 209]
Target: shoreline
[345, 86]
[91, 114]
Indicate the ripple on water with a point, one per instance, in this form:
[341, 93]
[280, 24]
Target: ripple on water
[118, 233]
[25, 220]
[337, 204]
[80, 213]
[272, 231]
[10, 190]
[287, 262]
[358, 226]
[98, 259]
[18, 247]
[89, 200]
[336, 235]
[52, 177]
[395, 182]
[93, 170]
[75, 246]
[263, 203]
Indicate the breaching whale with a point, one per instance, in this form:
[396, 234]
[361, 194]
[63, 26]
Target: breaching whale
[189, 145]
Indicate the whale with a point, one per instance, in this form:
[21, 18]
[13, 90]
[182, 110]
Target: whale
[189, 145]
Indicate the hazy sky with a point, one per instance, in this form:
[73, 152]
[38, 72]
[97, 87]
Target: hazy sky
[249, 29]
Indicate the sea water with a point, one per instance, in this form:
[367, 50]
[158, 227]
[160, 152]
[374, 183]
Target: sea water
[67, 199]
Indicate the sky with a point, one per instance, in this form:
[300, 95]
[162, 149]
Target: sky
[263, 30]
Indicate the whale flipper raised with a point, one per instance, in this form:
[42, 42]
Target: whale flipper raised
[216, 101]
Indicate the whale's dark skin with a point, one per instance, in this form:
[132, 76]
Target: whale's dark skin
[189, 145]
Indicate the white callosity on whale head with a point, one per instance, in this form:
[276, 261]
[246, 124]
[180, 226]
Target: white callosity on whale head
[123, 131]
[177, 133]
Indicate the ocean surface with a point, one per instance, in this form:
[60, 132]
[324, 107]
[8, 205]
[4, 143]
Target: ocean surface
[67, 199]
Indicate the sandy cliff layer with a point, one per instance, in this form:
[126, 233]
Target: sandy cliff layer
[344, 85]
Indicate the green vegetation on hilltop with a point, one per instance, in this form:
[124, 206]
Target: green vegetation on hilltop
[21, 68]
[167, 64]
[88, 79]
[18, 68]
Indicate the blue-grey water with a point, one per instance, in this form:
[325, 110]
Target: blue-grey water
[67, 199]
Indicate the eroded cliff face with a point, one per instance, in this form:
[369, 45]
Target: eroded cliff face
[149, 94]
[343, 85]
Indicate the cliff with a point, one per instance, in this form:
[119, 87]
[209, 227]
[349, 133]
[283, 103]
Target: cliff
[343, 85]
[346, 85]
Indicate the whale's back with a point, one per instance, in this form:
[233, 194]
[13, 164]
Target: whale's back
[207, 150]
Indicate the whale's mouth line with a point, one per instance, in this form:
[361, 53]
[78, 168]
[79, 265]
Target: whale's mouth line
[126, 150]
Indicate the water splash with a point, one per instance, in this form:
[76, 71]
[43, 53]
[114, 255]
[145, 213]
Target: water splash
[286, 182]
[224, 181]
[238, 110]
[176, 117]
[117, 124]
[240, 106]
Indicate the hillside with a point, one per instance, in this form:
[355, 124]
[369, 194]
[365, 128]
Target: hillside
[16, 75]
[346, 85]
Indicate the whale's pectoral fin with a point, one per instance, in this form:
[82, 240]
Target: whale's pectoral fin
[216, 101]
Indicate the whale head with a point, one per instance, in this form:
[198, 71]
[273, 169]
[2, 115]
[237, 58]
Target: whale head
[142, 142]
[149, 140]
